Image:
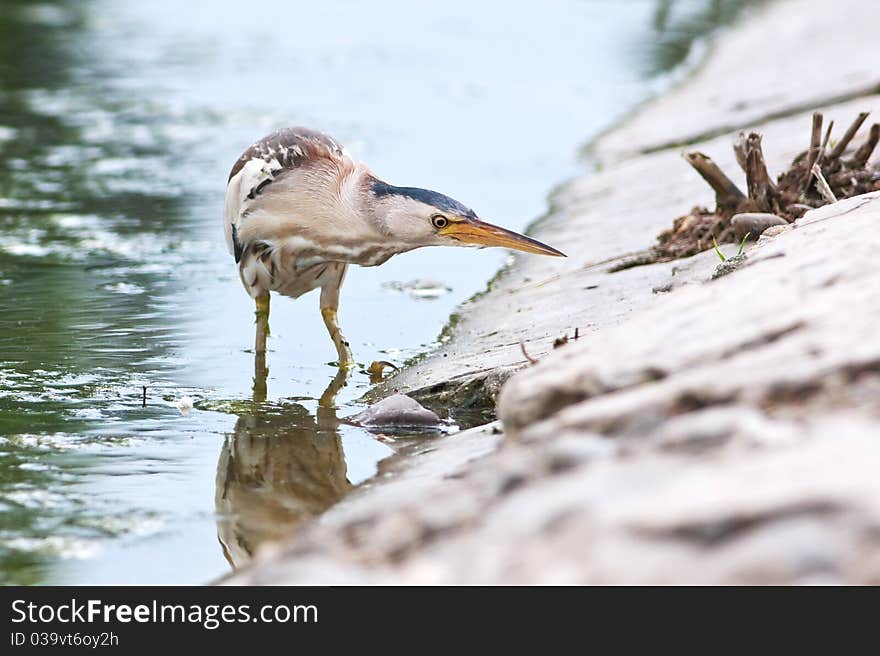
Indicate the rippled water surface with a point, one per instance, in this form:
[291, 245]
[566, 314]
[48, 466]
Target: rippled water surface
[119, 122]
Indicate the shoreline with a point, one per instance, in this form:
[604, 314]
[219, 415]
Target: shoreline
[613, 442]
[433, 381]
[666, 82]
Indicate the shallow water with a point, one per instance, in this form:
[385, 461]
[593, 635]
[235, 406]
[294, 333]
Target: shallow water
[118, 124]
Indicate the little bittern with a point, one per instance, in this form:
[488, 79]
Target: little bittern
[299, 210]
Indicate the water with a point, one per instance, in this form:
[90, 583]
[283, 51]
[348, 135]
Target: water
[119, 122]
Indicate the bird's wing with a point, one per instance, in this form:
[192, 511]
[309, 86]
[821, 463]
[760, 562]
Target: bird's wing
[259, 165]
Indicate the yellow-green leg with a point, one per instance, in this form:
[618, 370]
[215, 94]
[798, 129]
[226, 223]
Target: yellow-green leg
[329, 305]
[261, 372]
[342, 348]
[262, 314]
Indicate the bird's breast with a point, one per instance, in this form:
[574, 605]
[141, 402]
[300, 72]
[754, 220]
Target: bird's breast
[296, 265]
[299, 249]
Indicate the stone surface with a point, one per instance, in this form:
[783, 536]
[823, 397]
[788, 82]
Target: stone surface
[698, 430]
[754, 224]
[396, 411]
[789, 326]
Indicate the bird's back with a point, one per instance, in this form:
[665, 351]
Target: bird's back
[290, 147]
[263, 163]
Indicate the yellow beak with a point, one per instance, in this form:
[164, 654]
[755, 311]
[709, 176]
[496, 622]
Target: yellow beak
[480, 233]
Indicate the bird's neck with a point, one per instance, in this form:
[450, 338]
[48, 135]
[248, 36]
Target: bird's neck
[348, 209]
[338, 199]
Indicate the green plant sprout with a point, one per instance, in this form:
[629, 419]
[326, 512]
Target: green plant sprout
[742, 246]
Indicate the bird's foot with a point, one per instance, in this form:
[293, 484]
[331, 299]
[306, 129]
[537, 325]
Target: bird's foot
[343, 350]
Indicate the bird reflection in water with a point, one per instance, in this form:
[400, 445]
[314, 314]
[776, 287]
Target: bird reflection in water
[278, 468]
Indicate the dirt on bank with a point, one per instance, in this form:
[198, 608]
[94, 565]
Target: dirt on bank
[702, 428]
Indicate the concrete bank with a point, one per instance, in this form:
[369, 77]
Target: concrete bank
[699, 430]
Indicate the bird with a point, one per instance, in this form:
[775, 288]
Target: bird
[299, 210]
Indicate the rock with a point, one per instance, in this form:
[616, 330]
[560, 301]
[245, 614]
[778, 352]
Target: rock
[705, 358]
[774, 231]
[398, 411]
[754, 223]
[471, 394]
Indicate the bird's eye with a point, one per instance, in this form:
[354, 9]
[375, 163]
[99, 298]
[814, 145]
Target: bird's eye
[439, 221]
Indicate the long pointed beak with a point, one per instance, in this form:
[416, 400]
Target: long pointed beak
[480, 233]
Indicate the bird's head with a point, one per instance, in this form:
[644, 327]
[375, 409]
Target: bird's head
[418, 217]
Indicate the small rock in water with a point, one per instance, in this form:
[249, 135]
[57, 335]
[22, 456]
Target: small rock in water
[396, 410]
[754, 223]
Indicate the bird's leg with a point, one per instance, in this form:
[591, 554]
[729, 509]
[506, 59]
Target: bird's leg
[261, 372]
[342, 349]
[262, 314]
[329, 305]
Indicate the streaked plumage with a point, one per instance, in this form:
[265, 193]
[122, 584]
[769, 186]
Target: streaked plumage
[299, 210]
